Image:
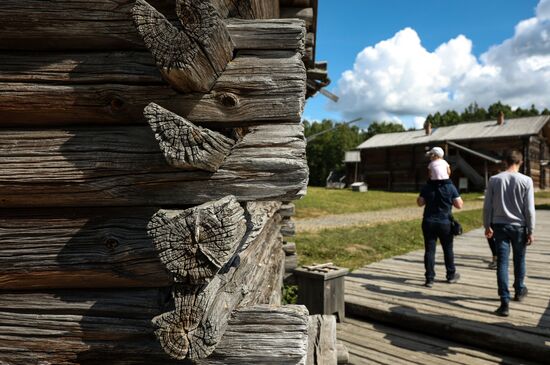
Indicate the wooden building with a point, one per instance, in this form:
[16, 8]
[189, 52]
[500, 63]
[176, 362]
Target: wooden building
[145, 150]
[397, 161]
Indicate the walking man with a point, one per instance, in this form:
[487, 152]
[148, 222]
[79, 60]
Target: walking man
[439, 196]
[509, 217]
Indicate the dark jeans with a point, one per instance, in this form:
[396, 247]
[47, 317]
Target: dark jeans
[432, 231]
[492, 245]
[507, 235]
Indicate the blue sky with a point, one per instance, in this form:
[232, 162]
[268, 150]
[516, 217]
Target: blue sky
[346, 28]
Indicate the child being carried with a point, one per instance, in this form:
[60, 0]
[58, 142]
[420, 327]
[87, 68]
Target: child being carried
[438, 169]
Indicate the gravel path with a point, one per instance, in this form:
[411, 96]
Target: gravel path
[368, 218]
[374, 217]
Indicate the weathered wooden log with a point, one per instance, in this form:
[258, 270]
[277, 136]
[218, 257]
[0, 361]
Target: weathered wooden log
[113, 327]
[289, 248]
[248, 9]
[184, 144]
[191, 58]
[196, 325]
[98, 25]
[94, 248]
[296, 3]
[306, 14]
[288, 228]
[88, 166]
[322, 340]
[291, 263]
[342, 353]
[287, 210]
[196, 243]
[54, 96]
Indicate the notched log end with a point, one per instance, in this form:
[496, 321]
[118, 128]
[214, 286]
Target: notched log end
[193, 57]
[196, 243]
[184, 144]
[171, 334]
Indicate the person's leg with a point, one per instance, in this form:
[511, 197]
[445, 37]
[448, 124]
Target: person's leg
[430, 238]
[502, 242]
[518, 239]
[492, 247]
[446, 239]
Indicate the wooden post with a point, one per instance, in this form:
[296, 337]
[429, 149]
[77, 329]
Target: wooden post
[190, 59]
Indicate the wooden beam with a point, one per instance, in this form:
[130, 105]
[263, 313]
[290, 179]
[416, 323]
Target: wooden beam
[194, 328]
[113, 327]
[69, 91]
[90, 166]
[322, 340]
[184, 144]
[97, 248]
[100, 25]
[192, 58]
[305, 14]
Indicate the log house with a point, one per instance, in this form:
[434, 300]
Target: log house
[146, 147]
[397, 162]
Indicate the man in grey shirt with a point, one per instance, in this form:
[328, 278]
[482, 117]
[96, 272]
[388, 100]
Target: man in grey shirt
[509, 217]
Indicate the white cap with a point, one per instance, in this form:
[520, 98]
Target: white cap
[436, 151]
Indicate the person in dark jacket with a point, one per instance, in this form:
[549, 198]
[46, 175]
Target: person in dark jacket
[438, 198]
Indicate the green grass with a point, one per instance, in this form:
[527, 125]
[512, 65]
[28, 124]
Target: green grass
[320, 201]
[359, 246]
[542, 194]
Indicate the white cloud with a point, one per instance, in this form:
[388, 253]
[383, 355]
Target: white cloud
[398, 78]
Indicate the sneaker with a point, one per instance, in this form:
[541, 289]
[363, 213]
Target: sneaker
[454, 279]
[429, 283]
[503, 310]
[520, 296]
[492, 265]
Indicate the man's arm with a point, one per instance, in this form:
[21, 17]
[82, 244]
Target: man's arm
[458, 203]
[529, 211]
[488, 210]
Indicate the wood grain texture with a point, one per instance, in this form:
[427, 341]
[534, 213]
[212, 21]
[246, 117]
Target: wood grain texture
[196, 325]
[124, 166]
[196, 243]
[48, 90]
[322, 340]
[184, 144]
[113, 327]
[192, 57]
[94, 248]
[101, 25]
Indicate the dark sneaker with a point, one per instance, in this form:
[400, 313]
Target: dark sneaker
[454, 279]
[520, 296]
[503, 310]
[492, 265]
[429, 283]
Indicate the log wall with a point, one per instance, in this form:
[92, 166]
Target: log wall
[138, 212]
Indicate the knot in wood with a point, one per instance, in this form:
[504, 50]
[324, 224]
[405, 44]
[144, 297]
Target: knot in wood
[111, 243]
[117, 104]
[229, 100]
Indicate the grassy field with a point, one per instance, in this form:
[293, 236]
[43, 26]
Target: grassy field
[359, 246]
[320, 201]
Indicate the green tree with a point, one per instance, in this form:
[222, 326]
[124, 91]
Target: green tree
[326, 152]
[383, 127]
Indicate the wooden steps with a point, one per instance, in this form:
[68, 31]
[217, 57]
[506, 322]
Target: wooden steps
[392, 291]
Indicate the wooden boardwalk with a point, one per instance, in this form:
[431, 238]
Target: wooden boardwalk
[392, 292]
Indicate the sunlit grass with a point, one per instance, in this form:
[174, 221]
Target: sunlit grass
[358, 246]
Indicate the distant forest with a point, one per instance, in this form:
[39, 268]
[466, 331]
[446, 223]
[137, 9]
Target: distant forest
[326, 152]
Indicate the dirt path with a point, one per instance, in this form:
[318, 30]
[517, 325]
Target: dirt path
[374, 217]
[368, 218]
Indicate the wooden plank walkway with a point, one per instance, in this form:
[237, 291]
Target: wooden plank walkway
[392, 291]
[369, 344]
